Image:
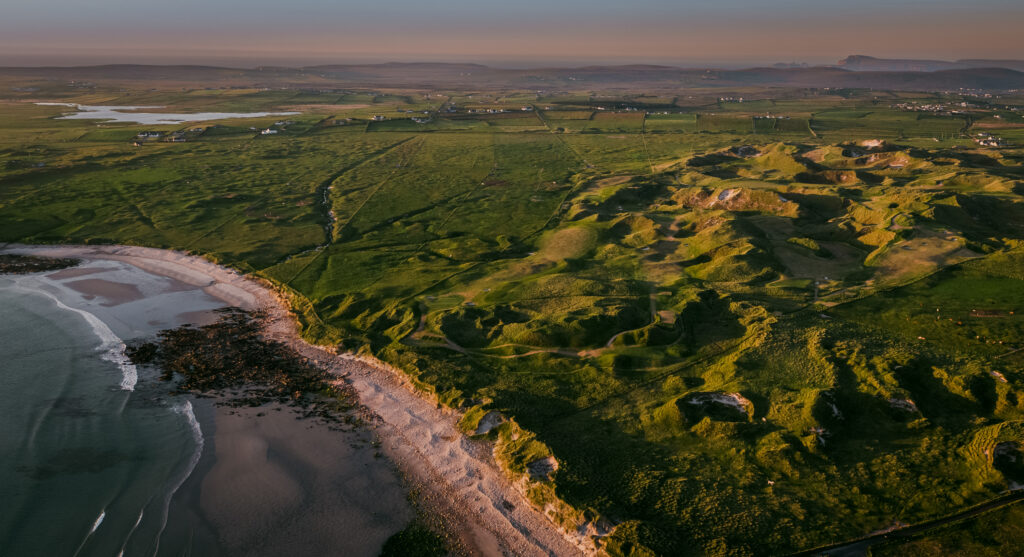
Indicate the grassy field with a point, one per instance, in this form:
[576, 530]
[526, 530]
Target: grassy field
[989, 535]
[737, 334]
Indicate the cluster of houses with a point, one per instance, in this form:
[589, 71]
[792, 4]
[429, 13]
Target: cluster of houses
[936, 108]
[451, 108]
[486, 110]
[276, 128]
[986, 139]
[770, 116]
[980, 93]
[730, 99]
[179, 136]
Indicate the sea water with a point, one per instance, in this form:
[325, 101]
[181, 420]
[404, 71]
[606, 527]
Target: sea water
[89, 456]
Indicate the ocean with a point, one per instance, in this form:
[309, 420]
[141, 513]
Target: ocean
[98, 459]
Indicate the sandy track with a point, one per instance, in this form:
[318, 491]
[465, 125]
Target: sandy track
[458, 476]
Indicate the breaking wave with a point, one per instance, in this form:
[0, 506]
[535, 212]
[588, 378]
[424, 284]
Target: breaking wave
[110, 344]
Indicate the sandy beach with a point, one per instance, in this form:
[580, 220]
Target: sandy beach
[457, 476]
[230, 481]
[271, 484]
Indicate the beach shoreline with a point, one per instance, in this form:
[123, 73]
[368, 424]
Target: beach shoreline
[229, 480]
[456, 476]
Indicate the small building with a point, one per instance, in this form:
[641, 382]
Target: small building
[268, 131]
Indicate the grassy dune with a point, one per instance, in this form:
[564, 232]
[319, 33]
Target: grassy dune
[737, 335]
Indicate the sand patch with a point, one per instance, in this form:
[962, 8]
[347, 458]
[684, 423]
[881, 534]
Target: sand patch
[300, 481]
[543, 469]
[74, 272]
[115, 293]
[490, 421]
[198, 318]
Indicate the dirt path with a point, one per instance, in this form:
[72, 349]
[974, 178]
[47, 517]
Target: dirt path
[859, 547]
[458, 476]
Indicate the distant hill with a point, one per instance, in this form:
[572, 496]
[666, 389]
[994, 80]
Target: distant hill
[869, 63]
[470, 76]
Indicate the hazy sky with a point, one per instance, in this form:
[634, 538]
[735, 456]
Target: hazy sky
[518, 33]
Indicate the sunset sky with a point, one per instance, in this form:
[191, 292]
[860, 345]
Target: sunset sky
[522, 33]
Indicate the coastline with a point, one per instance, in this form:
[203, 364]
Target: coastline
[457, 476]
[170, 474]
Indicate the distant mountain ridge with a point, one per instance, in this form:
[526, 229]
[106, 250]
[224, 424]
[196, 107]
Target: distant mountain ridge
[855, 72]
[860, 63]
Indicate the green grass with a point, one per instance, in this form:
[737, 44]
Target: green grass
[883, 123]
[598, 270]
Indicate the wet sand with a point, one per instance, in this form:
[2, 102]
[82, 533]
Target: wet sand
[272, 484]
[313, 486]
[115, 293]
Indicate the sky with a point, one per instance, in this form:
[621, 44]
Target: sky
[522, 33]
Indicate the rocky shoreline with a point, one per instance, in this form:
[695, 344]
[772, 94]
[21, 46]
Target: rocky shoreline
[456, 477]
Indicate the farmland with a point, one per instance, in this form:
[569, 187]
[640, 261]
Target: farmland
[741, 328]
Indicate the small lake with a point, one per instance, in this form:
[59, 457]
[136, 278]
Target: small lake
[134, 114]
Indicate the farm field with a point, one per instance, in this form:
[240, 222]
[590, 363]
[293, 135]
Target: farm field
[746, 328]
